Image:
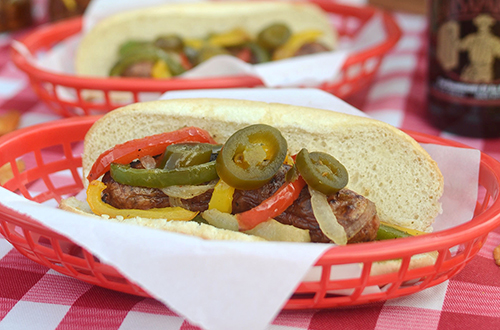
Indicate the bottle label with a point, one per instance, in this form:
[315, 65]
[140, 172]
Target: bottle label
[466, 49]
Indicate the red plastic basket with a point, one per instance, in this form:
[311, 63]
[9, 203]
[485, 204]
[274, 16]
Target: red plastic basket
[455, 246]
[357, 71]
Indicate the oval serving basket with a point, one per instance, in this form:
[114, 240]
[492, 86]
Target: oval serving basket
[66, 94]
[39, 154]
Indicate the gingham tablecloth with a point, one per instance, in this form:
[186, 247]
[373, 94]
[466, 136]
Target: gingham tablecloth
[34, 297]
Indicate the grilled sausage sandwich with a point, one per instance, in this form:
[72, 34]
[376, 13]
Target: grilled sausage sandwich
[244, 170]
[167, 40]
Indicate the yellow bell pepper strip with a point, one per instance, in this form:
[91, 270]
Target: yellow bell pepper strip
[296, 41]
[271, 207]
[222, 197]
[412, 232]
[94, 193]
[150, 145]
[235, 37]
[196, 44]
[209, 51]
[390, 231]
[160, 70]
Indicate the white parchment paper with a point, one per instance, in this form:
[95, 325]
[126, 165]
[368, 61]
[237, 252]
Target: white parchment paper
[233, 285]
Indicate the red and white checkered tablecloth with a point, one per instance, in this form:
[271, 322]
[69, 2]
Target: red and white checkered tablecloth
[34, 297]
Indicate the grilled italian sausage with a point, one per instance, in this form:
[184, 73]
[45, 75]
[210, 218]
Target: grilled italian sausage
[347, 206]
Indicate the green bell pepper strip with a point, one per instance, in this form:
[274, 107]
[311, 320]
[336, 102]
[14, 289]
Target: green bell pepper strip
[161, 178]
[186, 154]
[260, 54]
[147, 53]
[321, 171]
[251, 157]
[390, 231]
[122, 64]
[385, 232]
[132, 46]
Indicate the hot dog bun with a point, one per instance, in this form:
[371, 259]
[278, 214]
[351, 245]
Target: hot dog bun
[385, 165]
[98, 50]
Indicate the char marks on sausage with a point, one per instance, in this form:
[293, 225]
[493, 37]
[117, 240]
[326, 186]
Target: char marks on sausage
[124, 196]
[244, 200]
[311, 48]
[346, 205]
[139, 70]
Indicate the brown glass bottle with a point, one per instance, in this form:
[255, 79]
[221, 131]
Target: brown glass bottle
[14, 14]
[61, 9]
[464, 67]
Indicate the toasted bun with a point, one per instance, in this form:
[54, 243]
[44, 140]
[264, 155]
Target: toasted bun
[98, 51]
[385, 165]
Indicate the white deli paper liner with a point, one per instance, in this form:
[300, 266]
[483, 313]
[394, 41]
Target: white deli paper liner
[234, 285]
[304, 71]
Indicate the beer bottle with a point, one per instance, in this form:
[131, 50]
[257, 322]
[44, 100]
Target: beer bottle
[61, 9]
[15, 14]
[464, 67]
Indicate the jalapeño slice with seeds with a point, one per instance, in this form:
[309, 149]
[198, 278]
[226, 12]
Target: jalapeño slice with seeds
[251, 157]
[321, 171]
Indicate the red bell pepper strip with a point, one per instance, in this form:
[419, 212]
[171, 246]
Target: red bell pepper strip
[150, 145]
[245, 55]
[271, 207]
[186, 64]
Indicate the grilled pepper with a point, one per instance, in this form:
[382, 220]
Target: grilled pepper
[294, 43]
[132, 46]
[209, 51]
[147, 53]
[160, 70]
[251, 156]
[186, 154]
[235, 37]
[222, 197]
[259, 54]
[170, 42]
[271, 207]
[150, 145]
[390, 231]
[94, 199]
[160, 178]
[321, 171]
[274, 36]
